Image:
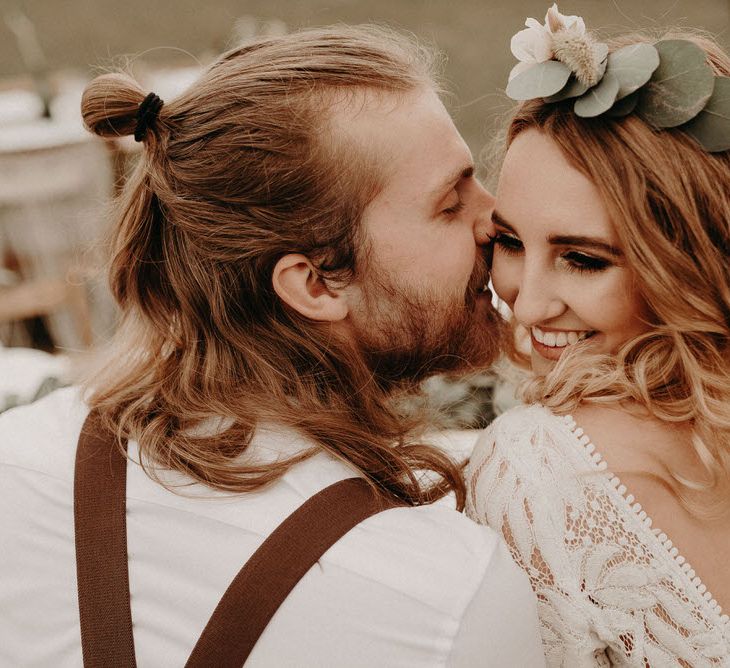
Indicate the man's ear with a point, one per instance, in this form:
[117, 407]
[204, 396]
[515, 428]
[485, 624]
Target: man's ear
[300, 286]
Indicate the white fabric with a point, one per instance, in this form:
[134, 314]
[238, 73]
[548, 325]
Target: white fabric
[609, 587]
[407, 587]
[25, 371]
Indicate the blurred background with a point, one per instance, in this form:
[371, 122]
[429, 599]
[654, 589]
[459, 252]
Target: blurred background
[56, 181]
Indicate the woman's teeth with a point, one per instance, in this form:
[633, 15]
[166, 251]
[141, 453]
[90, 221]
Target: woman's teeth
[559, 339]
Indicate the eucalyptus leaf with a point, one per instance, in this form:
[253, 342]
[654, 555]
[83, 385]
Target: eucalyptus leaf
[602, 56]
[680, 86]
[624, 106]
[711, 127]
[541, 80]
[598, 99]
[633, 66]
[573, 88]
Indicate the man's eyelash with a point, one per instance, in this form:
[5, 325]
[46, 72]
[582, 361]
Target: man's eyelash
[453, 210]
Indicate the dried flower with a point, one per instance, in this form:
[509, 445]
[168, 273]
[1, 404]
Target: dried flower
[530, 46]
[562, 38]
[583, 55]
[556, 22]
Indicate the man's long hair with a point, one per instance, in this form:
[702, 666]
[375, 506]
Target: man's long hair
[235, 173]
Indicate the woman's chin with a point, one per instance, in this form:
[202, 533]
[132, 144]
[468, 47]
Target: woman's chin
[540, 365]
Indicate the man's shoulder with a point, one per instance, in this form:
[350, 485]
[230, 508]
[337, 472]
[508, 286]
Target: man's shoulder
[432, 554]
[450, 533]
[437, 528]
[42, 436]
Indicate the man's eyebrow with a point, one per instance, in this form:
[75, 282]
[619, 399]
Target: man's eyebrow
[462, 173]
[592, 243]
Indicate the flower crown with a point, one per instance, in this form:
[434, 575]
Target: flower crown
[668, 84]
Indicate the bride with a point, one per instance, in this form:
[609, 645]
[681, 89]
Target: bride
[611, 484]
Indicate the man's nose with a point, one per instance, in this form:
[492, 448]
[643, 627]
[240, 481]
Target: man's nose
[538, 298]
[483, 225]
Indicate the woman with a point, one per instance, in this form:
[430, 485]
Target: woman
[611, 249]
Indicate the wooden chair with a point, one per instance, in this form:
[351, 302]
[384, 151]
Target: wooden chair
[55, 182]
[45, 296]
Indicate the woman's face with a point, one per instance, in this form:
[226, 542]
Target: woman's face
[558, 263]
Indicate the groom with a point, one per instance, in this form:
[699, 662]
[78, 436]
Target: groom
[304, 238]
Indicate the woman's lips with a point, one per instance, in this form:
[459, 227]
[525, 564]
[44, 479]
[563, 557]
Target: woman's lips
[548, 352]
[553, 352]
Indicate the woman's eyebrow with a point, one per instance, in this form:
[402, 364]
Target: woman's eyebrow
[593, 243]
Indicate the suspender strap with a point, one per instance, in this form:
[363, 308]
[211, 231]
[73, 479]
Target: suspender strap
[251, 599]
[100, 528]
[275, 568]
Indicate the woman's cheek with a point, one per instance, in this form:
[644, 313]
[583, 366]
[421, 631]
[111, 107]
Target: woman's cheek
[506, 278]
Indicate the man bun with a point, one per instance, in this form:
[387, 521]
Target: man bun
[110, 104]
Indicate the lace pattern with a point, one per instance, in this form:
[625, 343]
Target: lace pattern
[611, 589]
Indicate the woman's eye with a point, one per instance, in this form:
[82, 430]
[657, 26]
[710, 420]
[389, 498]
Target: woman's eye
[508, 243]
[576, 261]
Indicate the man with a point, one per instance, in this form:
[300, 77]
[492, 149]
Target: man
[302, 238]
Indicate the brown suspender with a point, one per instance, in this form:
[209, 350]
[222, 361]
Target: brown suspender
[275, 568]
[251, 599]
[100, 525]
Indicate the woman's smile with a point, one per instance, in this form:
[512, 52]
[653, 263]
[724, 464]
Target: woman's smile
[550, 343]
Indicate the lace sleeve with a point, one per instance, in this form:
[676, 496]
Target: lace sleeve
[609, 585]
[517, 486]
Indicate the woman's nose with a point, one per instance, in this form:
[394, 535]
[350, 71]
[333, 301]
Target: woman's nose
[483, 225]
[538, 299]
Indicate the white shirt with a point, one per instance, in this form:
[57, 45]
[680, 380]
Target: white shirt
[407, 587]
[612, 588]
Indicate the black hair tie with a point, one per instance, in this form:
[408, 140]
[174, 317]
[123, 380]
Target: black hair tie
[147, 113]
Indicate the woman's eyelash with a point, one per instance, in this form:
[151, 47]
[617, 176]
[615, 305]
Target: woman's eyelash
[580, 262]
[453, 210]
[508, 243]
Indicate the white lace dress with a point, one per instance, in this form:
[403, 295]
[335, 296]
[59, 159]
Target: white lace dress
[612, 590]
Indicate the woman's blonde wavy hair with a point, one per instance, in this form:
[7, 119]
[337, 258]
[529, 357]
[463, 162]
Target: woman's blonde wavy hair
[238, 171]
[669, 201]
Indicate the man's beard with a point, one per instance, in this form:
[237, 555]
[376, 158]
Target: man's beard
[408, 336]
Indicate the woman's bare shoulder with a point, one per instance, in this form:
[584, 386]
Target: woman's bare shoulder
[632, 440]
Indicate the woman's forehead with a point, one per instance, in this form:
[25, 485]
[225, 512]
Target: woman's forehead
[538, 187]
